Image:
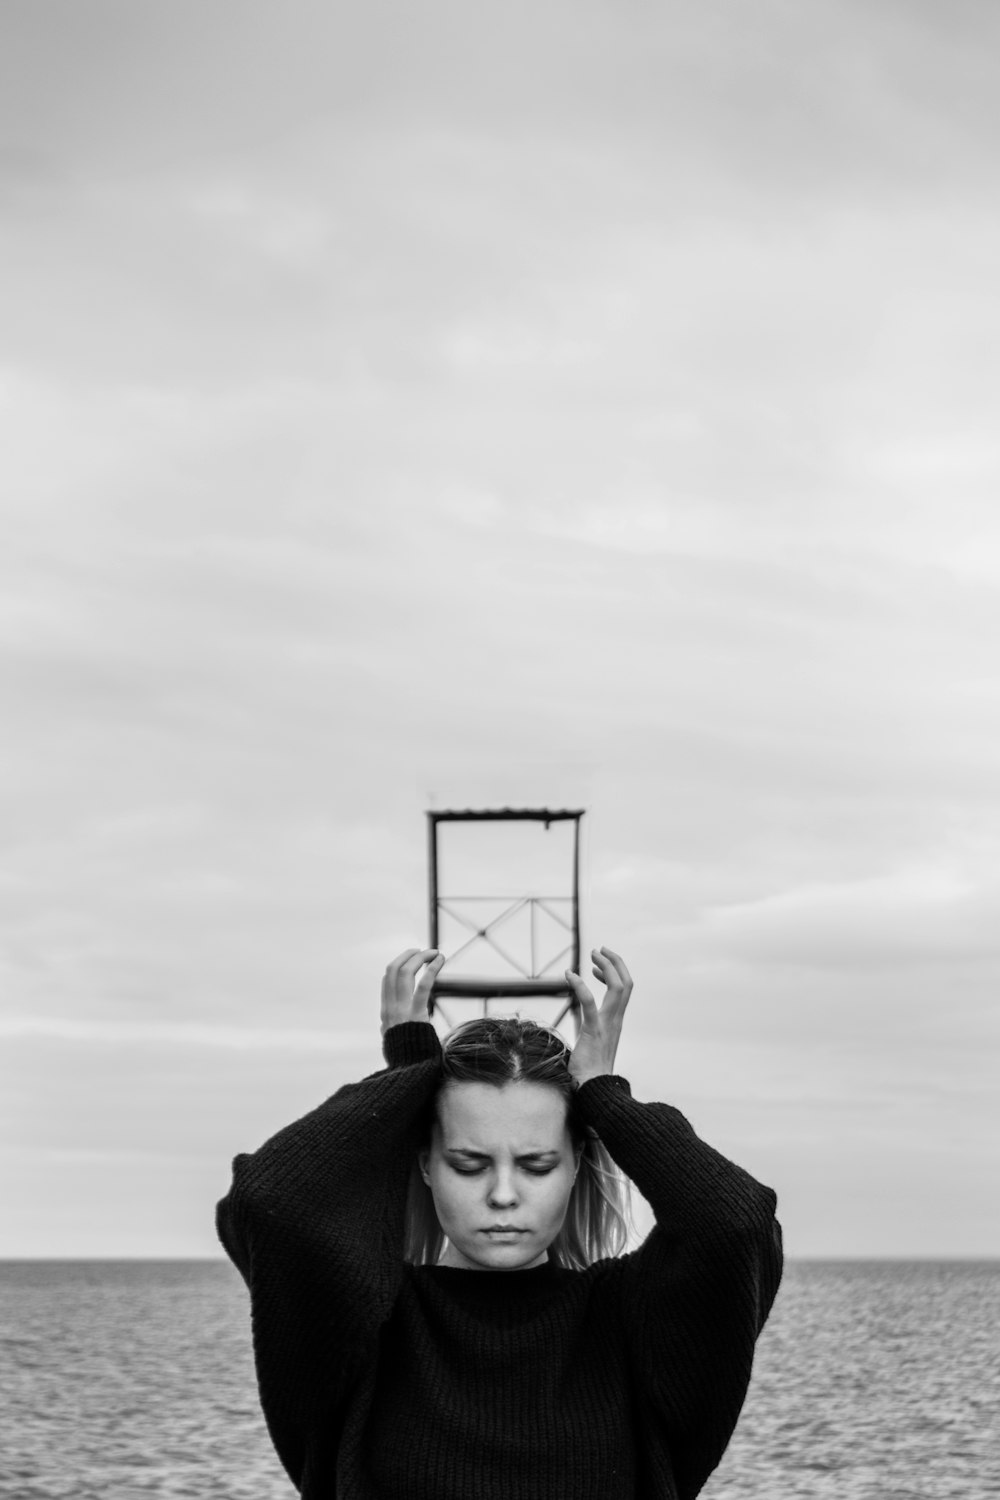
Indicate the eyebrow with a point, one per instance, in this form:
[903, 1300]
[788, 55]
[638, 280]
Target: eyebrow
[485, 1155]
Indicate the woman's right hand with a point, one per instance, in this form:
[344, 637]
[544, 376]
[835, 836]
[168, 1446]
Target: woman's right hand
[401, 1001]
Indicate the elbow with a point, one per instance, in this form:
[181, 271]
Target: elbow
[748, 1239]
[231, 1224]
[743, 1219]
[773, 1262]
[765, 1253]
[232, 1240]
[762, 1230]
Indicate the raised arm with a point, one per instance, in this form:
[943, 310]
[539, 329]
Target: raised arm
[697, 1292]
[314, 1220]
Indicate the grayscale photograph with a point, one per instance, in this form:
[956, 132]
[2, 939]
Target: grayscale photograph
[500, 684]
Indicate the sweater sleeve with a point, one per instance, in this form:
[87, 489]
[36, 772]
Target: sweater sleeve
[314, 1221]
[697, 1292]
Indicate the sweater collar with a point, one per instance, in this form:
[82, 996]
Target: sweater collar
[494, 1286]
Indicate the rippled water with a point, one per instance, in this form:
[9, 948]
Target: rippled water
[874, 1381]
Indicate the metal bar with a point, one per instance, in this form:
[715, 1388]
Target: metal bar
[506, 815]
[474, 927]
[511, 910]
[553, 961]
[432, 878]
[485, 938]
[476, 989]
[475, 938]
[554, 914]
[562, 1014]
[508, 896]
[516, 902]
[505, 956]
[446, 908]
[576, 894]
[484, 933]
[532, 937]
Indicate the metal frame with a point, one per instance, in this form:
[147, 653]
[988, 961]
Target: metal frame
[530, 983]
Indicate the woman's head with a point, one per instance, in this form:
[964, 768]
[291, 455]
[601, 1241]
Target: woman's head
[507, 1175]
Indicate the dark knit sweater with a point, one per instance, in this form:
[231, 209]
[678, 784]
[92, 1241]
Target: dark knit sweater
[385, 1381]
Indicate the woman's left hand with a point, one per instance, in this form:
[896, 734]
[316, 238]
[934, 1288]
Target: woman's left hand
[600, 1029]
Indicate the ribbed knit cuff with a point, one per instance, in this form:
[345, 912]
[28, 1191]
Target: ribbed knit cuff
[597, 1088]
[608, 1099]
[410, 1042]
[593, 1099]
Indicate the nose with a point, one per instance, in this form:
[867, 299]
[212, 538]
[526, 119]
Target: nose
[502, 1192]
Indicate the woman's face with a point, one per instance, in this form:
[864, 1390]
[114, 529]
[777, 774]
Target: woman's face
[501, 1167]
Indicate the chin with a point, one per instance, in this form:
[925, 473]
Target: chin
[505, 1257]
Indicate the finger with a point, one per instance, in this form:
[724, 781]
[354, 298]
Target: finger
[606, 971]
[436, 959]
[393, 968]
[427, 978]
[415, 957]
[407, 974]
[390, 990]
[619, 983]
[588, 1005]
[620, 967]
[412, 962]
[397, 985]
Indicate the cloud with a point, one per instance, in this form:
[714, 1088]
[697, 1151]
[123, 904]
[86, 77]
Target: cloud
[603, 419]
[903, 917]
[238, 1038]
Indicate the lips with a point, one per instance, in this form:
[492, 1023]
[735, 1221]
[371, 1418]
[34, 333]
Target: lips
[503, 1229]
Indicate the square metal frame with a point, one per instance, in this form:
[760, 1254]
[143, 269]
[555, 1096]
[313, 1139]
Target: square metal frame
[485, 989]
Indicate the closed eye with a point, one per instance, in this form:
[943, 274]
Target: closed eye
[470, 1166]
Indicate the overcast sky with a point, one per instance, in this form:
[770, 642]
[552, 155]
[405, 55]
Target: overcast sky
[572, 404]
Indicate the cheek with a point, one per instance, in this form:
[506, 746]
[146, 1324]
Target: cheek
[452, 1195]
[552, 1198]
[561, 1192]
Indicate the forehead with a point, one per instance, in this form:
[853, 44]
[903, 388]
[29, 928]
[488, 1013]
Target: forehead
[519, 1117]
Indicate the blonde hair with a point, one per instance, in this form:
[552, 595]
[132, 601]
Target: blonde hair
[505, 1049]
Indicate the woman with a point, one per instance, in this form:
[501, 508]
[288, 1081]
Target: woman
[484, 1349]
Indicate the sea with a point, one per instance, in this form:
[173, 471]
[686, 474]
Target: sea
[875, 1380]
